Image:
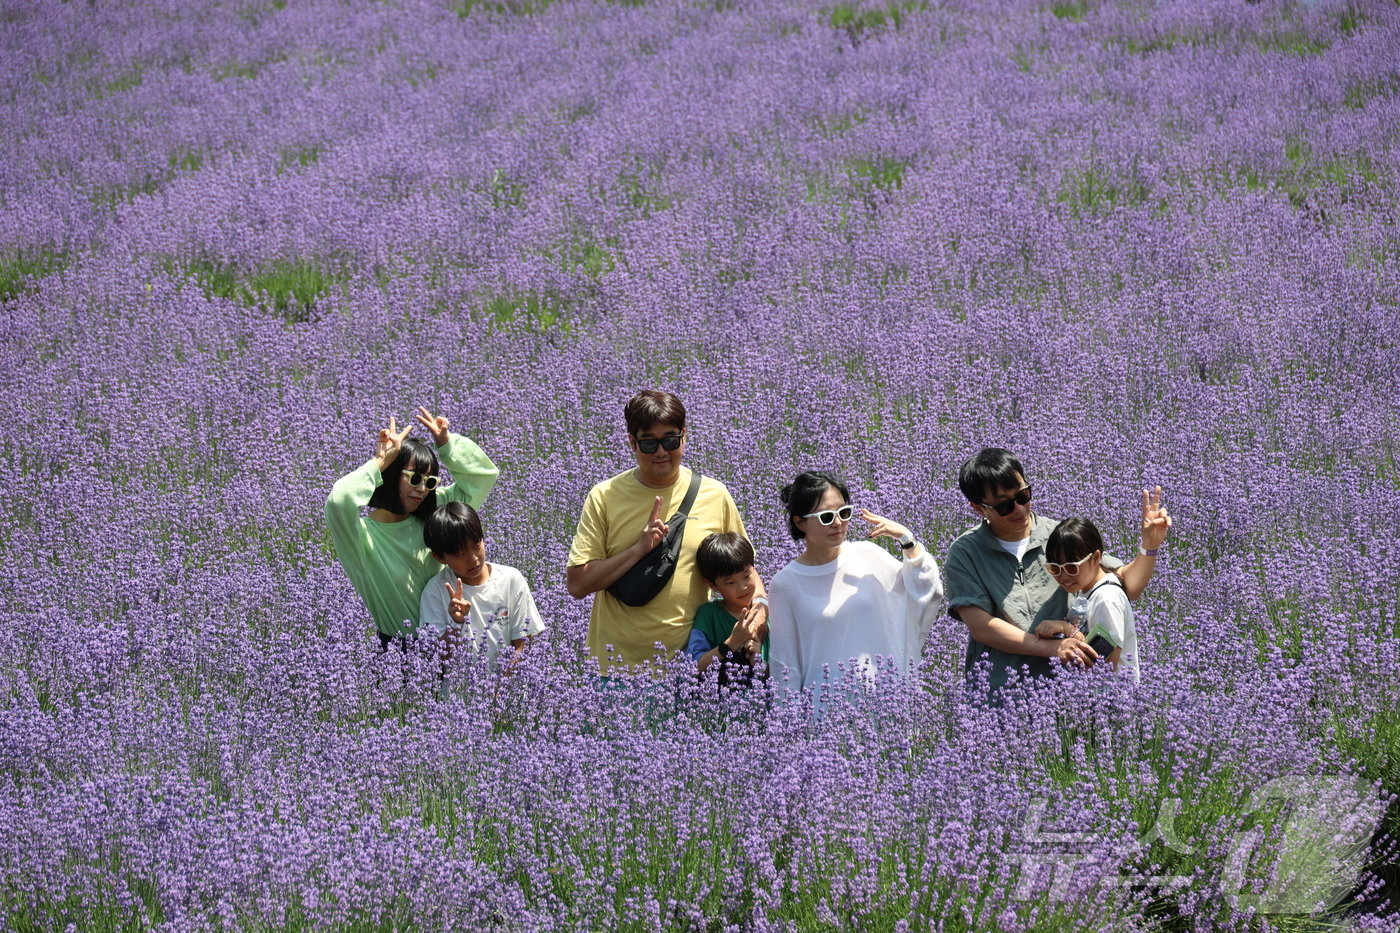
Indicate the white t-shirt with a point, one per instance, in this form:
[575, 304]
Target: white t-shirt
[862, 605]
[503, 609]
[1016, 549]
[1110, 614]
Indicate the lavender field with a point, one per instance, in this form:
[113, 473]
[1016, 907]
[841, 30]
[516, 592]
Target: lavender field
[1137, 242]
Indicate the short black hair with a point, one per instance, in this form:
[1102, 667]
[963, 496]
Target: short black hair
[650, 407]
[802, 495]
[722, 554]
[992, 469]
[450, 529]
[414, 457]
[1073, 539]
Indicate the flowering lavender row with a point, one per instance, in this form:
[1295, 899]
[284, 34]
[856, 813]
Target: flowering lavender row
[1137, 244]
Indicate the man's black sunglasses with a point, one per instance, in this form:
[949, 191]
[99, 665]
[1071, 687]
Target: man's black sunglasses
[1005, 506]
[648, 445]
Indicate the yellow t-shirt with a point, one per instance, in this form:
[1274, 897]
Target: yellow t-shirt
[614, 514]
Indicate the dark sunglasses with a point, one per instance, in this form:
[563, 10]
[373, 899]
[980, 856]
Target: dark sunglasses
[423, 479]
[1005, 506]
[648, 445]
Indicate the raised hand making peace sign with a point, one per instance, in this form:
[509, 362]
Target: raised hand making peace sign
[458, 606]
[437, 425]
[388, 443]
[654, 532]
[1155, 520]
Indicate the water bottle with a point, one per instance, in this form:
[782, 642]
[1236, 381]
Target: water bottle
[1078, 614]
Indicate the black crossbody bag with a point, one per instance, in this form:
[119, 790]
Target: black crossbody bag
[648, 576]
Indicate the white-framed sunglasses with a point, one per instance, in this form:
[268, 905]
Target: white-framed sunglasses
[426, 480]
[827, 516]
[1069, 569]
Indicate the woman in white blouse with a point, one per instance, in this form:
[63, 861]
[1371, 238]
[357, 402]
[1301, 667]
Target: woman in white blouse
[841, 608]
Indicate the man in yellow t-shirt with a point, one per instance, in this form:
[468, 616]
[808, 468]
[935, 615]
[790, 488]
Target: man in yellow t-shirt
[625, 517]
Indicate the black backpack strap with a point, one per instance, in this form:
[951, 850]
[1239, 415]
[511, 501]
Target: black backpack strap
[1110, 580]
[690, 494]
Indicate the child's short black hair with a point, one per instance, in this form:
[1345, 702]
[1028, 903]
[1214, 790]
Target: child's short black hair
[994, 468]
[1073, 539]
[802, 495]
[414, 457]
[451, 529]
[723, 554]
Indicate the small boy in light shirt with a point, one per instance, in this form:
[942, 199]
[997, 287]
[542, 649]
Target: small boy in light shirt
[470, 601]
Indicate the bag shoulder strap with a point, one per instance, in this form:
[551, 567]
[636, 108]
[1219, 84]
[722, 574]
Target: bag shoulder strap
[1110, 580]
[690, 494]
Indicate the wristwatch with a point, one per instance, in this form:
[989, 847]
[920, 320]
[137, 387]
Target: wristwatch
[907, 541]
[1146, 553]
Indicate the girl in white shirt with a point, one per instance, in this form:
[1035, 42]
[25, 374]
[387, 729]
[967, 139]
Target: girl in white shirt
[842, 605]
[1099, 607]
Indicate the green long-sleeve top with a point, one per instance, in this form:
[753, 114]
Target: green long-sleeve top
[387, 561]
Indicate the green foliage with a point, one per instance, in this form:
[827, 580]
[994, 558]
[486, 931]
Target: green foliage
[583, 253]
[113, 195]
[466, 8]
[819, 188]
[1361, 93]
[1070, 9]
[300, 156]
[19, 269]
[1349, 19]
[535, 311]
[881, 172]
[857, 20]
[505, 192]
[1157, 44]
[1095, 189]
[289, 288]
[236, 70]
[425, 74]
[1305, 173]
[832, 127]
[123, 82]
[642, 187]
[1291, 42]
[572, 113]
[186, 161]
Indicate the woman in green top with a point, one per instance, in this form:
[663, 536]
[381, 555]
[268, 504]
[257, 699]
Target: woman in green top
[383, 553]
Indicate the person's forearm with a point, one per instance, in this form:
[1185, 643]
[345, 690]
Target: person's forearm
[348, 496]
[1002, 635]
[706, 659]
[709, 657]
[470, 466]
[583, 579]
[1136, 573]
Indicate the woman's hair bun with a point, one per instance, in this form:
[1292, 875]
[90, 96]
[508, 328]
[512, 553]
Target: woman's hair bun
[786, 493]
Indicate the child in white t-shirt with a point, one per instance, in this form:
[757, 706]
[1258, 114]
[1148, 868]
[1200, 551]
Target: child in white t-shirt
[1099, 609]
[487, 607]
